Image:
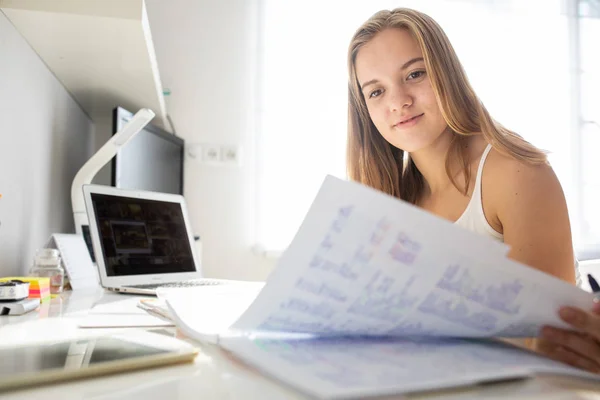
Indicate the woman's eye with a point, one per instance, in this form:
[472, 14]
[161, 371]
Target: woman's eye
[415, 75]
[374, 93]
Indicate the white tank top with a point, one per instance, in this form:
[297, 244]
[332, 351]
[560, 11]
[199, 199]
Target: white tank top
[473, 218]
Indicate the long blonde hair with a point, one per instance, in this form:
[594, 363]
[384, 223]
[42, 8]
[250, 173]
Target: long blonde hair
[373, 161]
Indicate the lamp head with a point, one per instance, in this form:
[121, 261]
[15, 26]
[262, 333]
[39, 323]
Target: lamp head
[133, 127]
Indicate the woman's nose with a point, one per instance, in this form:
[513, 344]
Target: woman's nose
[400, 99]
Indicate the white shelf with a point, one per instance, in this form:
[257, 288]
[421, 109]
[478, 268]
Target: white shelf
[100, 50]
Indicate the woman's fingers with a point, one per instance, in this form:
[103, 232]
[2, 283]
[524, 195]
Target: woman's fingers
[583, 321]
[567, 356]
[563, 354]
[580, 347]
[580, 344]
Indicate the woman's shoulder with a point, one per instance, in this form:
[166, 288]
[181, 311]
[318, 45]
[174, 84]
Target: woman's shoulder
[508, 181]
[528, 203]
[511, 172]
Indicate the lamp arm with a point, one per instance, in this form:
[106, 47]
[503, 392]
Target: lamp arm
[99, 159]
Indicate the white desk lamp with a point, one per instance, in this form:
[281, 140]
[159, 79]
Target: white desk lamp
[105, 154]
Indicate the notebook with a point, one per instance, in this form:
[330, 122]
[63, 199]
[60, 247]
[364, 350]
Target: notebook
[142, 240]
[376, 297]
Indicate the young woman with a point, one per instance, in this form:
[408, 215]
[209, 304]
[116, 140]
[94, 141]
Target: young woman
[417, 131]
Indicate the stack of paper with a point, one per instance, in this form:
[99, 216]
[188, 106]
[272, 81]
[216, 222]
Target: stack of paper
[39, 288]
[383, 290]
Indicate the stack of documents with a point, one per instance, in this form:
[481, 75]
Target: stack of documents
[375, 297]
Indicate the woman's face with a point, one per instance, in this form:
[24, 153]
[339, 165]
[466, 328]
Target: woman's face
[392, 77]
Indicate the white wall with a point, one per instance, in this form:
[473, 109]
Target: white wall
[206, 51]
[44, 138]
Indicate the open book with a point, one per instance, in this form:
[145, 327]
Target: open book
[375, 296]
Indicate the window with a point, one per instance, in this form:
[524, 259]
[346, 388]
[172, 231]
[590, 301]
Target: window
[589, 82]
[521, 73]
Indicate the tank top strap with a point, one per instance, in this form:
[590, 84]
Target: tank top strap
[477, 188]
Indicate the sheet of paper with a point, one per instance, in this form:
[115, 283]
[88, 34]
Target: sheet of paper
[118, 314]
[364, 263]
[126, 306]
[359, 367]
[204, 313]
[121, 321]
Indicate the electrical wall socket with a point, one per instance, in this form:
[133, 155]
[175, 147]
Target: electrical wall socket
[211, 153]
[215, 154]
[231, 155]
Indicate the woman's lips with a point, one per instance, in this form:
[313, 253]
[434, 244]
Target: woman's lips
[409, 122]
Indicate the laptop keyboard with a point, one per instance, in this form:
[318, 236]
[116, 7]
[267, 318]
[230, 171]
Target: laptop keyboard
[182, 284]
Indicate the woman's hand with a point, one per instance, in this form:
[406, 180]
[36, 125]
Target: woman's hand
[579, 347]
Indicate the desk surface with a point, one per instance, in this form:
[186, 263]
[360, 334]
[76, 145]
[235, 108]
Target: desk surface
[216, 375]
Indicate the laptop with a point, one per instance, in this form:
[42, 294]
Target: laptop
[142, 240]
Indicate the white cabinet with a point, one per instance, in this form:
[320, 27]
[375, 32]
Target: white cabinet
[101, 51]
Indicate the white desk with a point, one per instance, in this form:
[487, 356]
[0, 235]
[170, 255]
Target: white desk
[216, 375]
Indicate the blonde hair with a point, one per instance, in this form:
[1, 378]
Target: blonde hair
[373, 161]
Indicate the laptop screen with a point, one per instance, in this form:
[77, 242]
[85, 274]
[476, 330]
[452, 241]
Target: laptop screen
[140, 236]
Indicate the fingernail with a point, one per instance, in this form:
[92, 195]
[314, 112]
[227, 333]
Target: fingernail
[569, 315]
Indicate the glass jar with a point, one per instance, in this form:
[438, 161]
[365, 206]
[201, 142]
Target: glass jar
[47, 263]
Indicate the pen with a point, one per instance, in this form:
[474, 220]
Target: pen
[593, 284]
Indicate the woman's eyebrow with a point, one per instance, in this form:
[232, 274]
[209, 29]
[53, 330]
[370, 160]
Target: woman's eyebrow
[371, 82]
[411, 62]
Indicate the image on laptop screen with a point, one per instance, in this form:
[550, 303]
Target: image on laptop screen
[140, 236]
